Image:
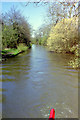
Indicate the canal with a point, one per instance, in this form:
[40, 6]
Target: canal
[36, 81]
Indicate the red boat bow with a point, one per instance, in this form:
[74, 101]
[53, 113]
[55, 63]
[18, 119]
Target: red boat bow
[52, 114]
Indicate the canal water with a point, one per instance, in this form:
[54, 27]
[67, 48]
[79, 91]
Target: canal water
[36, 81]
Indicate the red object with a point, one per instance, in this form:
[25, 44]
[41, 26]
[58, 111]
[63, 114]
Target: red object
[52, 114]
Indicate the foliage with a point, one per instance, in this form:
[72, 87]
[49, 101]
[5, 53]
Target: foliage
[75, 63]
[42, 34]
[64, 35]
[9, 39]
[22, 47]
[33, 40]
[44, 40]
[15, 29]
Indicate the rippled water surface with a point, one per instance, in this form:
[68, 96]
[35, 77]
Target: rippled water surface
[36, 81]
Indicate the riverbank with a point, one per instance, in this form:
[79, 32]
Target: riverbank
[63, 38]
[12, 52]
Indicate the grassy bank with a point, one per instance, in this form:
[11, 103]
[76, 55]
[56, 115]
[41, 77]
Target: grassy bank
[8, 52]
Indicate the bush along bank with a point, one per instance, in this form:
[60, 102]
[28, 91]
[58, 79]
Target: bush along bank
[64, 38]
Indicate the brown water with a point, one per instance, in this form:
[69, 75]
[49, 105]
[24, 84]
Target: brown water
[36, 81]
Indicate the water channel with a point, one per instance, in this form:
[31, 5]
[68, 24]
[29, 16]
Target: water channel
[36, 81]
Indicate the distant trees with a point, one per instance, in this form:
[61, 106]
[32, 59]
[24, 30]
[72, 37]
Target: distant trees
[42, 34]
[15, 29]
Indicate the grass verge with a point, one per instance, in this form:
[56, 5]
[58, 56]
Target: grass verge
[8, 52]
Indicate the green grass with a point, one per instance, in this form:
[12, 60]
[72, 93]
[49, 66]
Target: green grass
[13, 51]
[10, 51]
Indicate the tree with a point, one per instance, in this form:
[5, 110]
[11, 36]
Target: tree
[42, 34]
[61, 10]
[9, 39]
[16, 29]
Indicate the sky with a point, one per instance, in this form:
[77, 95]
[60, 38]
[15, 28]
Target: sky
[34, 14]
